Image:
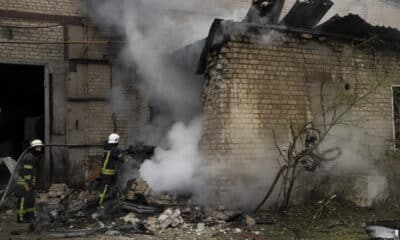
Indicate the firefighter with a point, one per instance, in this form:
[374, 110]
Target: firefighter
[112, 155]
[27, 181]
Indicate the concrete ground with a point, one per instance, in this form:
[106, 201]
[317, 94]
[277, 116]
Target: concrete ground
[339, 220]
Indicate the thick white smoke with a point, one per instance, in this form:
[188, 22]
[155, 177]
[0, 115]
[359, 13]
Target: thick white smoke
[174, 168]
[365, 185]
[154, 29]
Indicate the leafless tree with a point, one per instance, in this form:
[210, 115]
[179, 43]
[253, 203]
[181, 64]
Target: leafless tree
[303, 151]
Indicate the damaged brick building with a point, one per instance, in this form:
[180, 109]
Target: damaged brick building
[58, 71]
[265, 76]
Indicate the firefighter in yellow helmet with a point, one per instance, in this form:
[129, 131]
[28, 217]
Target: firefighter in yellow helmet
[26, 182]
[112, 155]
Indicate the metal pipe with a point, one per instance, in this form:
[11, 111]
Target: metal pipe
[73, 145]
[90, 42]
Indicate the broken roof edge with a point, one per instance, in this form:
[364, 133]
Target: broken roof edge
[202, 64]
[221, 32]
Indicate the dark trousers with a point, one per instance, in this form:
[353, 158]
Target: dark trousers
[25, 204]
[107, 189]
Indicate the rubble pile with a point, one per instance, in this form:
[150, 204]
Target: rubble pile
[138, 189]
[60, 199]
[136, 210]
[54, 197]
[79, 203]
[209, 216]
[163, 200]
[169, 218]
[130, 218]
[58, 191]
[250, 222]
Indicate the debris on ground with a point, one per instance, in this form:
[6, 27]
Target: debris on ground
[64, 212]
[139, 209]
[250, 222]
[164, 199]
[58, 191]
[383, 230]
[113, 229]
[131, 218]
[343, 220]
[200, 227]
[237, 230]
[169, 218]
[60, 200]
[219, 215]
[138, 189]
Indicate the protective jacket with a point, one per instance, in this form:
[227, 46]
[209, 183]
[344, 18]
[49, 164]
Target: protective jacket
[112, 155]
[24, 190]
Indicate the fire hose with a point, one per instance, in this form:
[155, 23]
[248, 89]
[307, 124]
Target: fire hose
[11, 181]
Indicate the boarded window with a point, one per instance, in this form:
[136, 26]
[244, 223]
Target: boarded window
[396, 115]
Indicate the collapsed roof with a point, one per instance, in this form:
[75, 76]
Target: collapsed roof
[302, 18]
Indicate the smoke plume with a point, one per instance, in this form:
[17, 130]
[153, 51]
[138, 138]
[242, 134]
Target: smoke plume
[154, 30]
[363, 182]
[173, 169]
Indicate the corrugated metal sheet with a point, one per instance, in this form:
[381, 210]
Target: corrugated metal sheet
[306, 14]
[356, 27]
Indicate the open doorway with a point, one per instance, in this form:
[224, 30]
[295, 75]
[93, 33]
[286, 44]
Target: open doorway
[22, 107]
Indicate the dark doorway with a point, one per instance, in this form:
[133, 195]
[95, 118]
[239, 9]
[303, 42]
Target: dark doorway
[22, 107]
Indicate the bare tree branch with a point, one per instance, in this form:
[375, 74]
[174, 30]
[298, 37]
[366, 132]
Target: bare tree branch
[278, 147]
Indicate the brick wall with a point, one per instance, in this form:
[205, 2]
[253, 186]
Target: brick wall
[57, 7]
[260, 84]
[51, 57]
[28, 52]
[87, 120]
